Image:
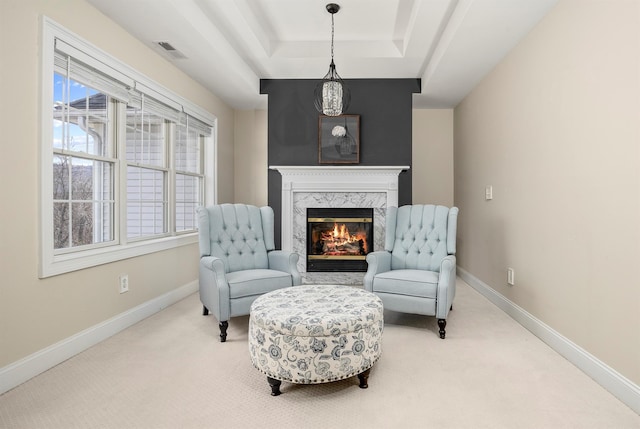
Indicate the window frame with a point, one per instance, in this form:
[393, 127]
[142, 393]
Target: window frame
[53, 263]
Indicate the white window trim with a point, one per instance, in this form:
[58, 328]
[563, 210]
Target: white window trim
[52, 264]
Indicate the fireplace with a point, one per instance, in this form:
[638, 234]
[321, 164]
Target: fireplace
[338, 239]
[334, 186]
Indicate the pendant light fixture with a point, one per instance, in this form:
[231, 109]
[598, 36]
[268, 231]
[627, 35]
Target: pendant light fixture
[331, 95]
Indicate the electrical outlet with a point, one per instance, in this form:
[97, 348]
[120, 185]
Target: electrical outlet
[511, 276]
[124, 283]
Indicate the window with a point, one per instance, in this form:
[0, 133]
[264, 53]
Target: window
[83, 165]
[147, 171]
[189, 169]
[124, 162]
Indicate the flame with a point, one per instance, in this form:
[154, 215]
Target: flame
[336, 239]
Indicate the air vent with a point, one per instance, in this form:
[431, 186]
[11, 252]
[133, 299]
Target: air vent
[169, 49]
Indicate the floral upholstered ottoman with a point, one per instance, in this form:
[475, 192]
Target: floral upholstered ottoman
[315, 334]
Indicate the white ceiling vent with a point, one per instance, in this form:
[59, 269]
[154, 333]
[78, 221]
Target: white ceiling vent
[170, 50]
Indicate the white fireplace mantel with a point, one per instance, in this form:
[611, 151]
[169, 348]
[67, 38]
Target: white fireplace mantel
[333, 179]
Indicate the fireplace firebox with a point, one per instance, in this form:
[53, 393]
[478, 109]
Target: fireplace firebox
[338, 239]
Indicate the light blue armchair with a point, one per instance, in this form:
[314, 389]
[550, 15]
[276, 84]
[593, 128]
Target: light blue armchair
[238, 262]
[416, 272]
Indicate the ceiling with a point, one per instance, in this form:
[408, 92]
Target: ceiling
[229, 45]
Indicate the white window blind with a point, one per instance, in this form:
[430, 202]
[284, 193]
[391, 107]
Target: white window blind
[82, 67]
[192, 123]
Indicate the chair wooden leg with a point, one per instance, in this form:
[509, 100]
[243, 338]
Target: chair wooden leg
[441, 324]
[205, 311]
[223, 331]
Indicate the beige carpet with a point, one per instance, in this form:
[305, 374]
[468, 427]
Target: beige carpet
[170, 371]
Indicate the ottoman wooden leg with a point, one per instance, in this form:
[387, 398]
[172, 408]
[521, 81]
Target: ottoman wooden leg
[275, 386]
[364, 377]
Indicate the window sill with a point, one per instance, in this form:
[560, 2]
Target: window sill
[61, 264]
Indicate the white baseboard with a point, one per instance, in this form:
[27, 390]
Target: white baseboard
[32, 365]
[622, 388]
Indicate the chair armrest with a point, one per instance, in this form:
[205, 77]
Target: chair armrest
[214, 264]
[378, 262]
[286, 261]
[214, 288]
[446, 286]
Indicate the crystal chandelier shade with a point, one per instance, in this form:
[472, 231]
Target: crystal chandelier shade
[331, 95]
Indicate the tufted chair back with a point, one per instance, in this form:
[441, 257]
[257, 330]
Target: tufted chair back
[238, 234]
[420, 236]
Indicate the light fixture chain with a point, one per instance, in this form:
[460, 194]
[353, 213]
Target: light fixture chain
[331, 37]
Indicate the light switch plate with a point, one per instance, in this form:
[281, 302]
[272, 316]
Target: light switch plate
[488, 192]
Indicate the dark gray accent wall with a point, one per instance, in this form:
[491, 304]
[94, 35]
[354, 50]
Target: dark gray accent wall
[384, 106]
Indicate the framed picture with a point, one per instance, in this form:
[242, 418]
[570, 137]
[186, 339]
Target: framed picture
[339, 139]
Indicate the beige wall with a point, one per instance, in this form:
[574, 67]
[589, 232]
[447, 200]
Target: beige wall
[36, 313]
[555, 129]
[432, 157]
[250, 161]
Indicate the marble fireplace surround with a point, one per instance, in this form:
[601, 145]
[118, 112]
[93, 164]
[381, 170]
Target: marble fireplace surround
[334, 186]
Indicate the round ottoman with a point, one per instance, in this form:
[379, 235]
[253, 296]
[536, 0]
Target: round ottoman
[315, 334]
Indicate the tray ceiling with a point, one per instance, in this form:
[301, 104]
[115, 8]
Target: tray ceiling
[228, 46]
